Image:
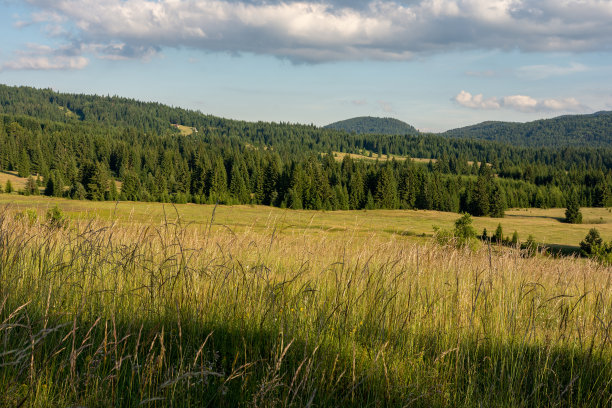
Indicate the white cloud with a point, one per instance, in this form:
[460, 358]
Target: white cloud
[46, 63]
[522, 103]
[468, 100]
[314, 31]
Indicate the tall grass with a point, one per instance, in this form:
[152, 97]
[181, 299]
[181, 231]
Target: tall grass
[115, 314]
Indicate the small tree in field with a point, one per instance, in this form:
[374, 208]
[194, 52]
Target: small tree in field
[572, 213]
[464, 232]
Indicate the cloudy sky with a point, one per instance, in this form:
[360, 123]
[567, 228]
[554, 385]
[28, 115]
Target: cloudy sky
[436, 64]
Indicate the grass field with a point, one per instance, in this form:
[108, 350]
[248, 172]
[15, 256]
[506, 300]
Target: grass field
[546, 226]
[17, 182]
[185, 130]
[137, 304]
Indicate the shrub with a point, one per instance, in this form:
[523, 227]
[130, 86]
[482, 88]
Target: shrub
[29, 215]
[530, 246]
[56, 218]
[590, 242]
[464, 232]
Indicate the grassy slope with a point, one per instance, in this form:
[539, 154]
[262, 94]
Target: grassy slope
[17, 182]
[546, 226]
[280, 308]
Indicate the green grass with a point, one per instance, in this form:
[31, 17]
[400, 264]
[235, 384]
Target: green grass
[136, 306]
[546, 226]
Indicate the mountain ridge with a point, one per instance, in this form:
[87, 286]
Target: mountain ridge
[593, 129]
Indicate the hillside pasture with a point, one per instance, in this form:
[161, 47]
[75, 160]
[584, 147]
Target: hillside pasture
[137, 304]
[545, 225]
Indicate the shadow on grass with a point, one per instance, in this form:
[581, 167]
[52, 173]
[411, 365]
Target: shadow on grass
[182, 360]
[560, 219]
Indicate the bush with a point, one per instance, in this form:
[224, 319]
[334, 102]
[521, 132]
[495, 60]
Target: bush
[590, 242]
[530, 246]
[594, 247]
[464, 232]
[29, 215]
[56, 218]
[463, 235]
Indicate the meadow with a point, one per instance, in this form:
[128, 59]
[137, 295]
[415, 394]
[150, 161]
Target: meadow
[144, 304]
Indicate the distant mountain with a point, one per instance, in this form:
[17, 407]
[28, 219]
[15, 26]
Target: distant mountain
[593, 130]
[372, 125]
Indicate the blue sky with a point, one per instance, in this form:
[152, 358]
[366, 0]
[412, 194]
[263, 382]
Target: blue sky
[436, 64]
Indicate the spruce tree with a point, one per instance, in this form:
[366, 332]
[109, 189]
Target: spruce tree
[572, 213]
[498, 202]
[499, 234]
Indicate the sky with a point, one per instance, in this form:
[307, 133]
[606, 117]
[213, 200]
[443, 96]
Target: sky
[435, 64]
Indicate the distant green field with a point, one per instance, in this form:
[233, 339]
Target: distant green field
[546, 226]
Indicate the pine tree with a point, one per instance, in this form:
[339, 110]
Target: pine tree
[515, 239]
[499, 234]
[237, 186]
[572, 213]
[386, 189]
[113, 194]
[8, 187]
[31, 188]
[498, 202]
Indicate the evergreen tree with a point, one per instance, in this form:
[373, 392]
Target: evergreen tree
[113, 194]
[370, 201]
[386, 189]
[77, 191]
[498, 202]
[572, 213]
[499, 234]
[591, 242]
[515, 239]
[31, 188]
[8, 187]
[218, 182]
[238, 189]
[23, 165]
[356, 191]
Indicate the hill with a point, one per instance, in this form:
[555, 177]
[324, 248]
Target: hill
[593, 130]
[371, 125]
[85, 146]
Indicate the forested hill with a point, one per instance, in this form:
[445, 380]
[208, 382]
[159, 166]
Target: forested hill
[593, 130]
[79, 146]
[371, 125]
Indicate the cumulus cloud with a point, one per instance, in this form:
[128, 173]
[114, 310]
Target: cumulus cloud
[329, 30]
[468, 100]
[522, 103]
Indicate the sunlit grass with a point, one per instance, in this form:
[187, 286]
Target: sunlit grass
[277, 308]
[545, 225]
